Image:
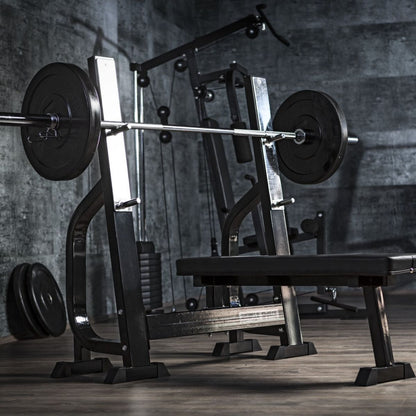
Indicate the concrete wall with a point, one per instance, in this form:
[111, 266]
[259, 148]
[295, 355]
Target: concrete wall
[364, 55]
[34, 212]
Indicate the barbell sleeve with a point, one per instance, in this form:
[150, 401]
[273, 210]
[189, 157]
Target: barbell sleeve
[17, 119]
[353, 140]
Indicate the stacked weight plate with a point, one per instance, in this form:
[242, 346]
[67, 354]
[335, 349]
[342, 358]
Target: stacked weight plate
[150, 274]
[35, 307]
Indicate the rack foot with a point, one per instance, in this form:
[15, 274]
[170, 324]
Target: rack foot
[124, 374]
[369, 376]
[67, 369]
[224, 349]
[278, 352]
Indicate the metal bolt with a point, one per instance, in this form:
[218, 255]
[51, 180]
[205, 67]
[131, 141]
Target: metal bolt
[319, 308]
[120, 312]
[124, 348]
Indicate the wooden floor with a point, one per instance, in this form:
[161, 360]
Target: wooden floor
[204, 385]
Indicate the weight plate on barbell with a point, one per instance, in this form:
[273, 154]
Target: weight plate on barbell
[327, 136]
[65, 90]
[46, 299]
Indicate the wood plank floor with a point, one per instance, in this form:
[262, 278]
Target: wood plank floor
[204, 385]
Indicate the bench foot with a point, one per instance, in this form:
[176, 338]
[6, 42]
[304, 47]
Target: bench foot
[278, 352]
[224, 349]
[124, 374]
[369, 376]
[67, 369]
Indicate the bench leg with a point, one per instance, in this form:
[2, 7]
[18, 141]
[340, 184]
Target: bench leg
[291, 339]
[385, 369]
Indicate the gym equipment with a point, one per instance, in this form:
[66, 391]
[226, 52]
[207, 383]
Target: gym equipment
[282, 270]
[61, 123]
[135, 327]
[21, 318]
[35, 307]
[150, 275]
[320, 118]
[46, 299]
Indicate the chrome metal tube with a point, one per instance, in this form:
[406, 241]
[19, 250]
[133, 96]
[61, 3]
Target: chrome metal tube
[122, 126]
[17, 119]
[138, 108]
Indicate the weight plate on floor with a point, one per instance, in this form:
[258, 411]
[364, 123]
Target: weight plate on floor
[46, 299]
[327, 136]
[65, 90]
[25, 324]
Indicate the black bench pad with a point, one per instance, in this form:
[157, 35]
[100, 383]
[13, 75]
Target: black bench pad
[324, 269]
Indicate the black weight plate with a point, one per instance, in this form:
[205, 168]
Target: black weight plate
[29, 321]
[151, 275]
[46, 299]
[154, 266]
[152, 297]
[149, 257]
[65, 90]
[155, 305]
[152, 289]
[22, 325]
[151, 284]
[321, 118]
[149, 281]
[153, 270]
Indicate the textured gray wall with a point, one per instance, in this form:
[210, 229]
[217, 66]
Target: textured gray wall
[34, 212]
[363, 53]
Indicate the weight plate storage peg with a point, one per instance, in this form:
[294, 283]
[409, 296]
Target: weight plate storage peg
[46, 299]
[319, 155]
[21, 318]
[62, 152]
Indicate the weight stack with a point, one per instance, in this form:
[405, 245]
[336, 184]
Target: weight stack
[151, 275]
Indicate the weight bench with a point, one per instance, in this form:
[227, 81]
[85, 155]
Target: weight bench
[369, 271]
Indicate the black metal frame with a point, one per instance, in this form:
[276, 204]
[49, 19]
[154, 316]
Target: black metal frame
[135, 328]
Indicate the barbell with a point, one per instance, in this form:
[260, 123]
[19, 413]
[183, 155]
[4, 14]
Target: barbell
[61, 125]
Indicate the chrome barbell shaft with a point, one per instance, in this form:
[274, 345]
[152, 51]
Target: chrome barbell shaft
[52, 121]
[118, 126]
